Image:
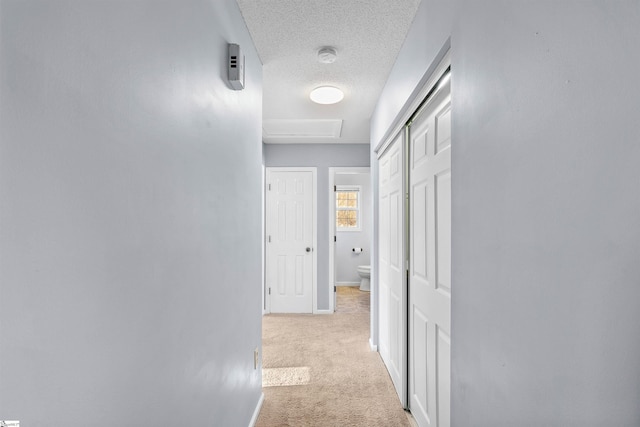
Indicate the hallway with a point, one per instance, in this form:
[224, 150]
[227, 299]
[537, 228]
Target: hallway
[133, 217]
[319, 370]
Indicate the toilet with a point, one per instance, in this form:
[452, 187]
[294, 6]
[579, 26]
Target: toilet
[365, 273]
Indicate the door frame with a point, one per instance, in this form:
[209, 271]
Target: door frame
[333, 171]
[314, 222]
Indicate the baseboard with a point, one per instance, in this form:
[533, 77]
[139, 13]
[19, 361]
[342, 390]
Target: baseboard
[373, 347]
[254, 419]
[347, 283]
[323, 312]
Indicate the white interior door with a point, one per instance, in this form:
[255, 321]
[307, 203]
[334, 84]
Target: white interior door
[391, 281]
[290, 240]
[430, 263]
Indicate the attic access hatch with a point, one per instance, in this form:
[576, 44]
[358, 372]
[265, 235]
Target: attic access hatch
[301, 128]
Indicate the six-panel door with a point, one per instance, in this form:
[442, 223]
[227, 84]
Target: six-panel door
[429, 307]
[391, 283]
[289, 263]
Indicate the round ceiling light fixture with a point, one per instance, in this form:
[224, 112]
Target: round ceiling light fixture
[326, 95]
[327, 55]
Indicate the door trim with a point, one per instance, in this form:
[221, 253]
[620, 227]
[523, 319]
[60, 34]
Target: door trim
[332, 226]
[314, 222]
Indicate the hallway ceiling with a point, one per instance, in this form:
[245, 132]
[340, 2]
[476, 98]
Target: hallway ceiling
[367, 35]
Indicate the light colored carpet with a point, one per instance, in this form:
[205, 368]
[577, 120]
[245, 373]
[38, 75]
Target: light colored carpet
[319, 370]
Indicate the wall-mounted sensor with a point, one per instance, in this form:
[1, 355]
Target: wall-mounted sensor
[236, 67]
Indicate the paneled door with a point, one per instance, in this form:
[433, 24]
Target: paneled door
[391, 260]
[430, 262]
[290, 232]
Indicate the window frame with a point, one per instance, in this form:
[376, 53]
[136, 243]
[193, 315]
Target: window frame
[348, 188]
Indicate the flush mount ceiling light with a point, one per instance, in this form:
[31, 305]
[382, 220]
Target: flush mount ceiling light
[326, 95]
[327, 55]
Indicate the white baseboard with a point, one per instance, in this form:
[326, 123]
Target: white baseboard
[347, 283]
[254, 419]
[373, 347]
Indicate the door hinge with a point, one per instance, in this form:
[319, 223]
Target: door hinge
[335, 239]
[335, 289]
[269, 291]
[269, 187]
[335, 188]
[269, 239]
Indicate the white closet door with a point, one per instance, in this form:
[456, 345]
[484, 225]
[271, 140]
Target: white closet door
[391, 280]
[430, 263]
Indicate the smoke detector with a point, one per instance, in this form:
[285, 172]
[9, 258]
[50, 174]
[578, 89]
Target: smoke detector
[327, 55]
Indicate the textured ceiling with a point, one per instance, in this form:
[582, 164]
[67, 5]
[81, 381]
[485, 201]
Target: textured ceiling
[288, 33]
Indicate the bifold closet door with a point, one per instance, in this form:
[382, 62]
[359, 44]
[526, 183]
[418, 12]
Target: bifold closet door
[429, 306]
[391, 281]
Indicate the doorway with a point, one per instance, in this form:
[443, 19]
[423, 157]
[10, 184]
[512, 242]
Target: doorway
[350, 237]
[291, 258]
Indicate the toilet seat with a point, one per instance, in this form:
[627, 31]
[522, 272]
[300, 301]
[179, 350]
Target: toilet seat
[364, 269]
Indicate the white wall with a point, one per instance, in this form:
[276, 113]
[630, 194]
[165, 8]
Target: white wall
[322, 156]
[546, 205]
[546, 201]
[130, 215]
[347, 261]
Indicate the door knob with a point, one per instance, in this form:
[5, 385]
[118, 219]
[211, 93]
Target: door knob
[308, 249]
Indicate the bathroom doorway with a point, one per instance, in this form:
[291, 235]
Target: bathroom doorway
[350, 228]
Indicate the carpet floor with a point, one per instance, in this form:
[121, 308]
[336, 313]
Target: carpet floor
[318, 370]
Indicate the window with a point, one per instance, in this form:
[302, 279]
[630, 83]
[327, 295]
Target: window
[348, 208]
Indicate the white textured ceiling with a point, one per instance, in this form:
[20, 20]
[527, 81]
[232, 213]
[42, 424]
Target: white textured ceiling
[288, 34]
